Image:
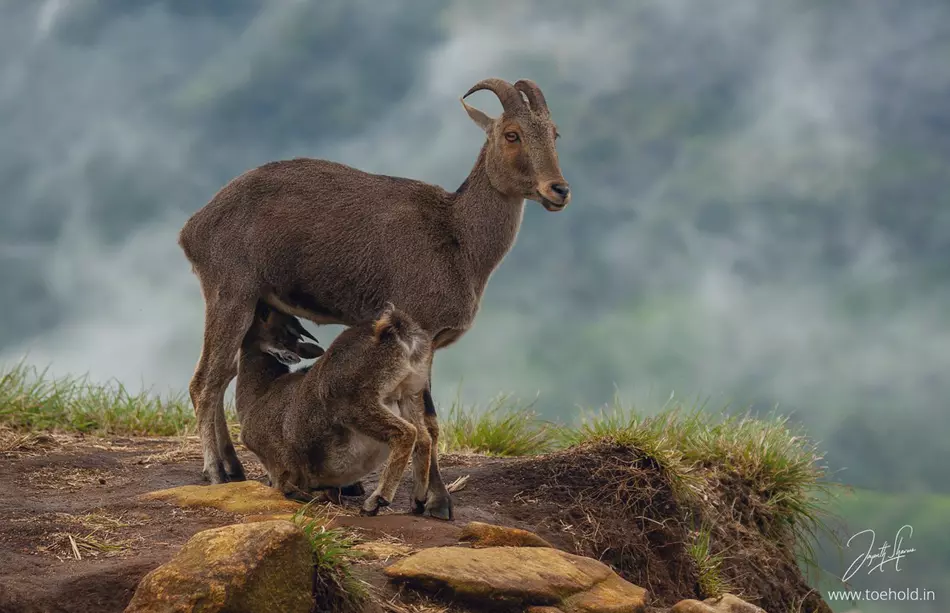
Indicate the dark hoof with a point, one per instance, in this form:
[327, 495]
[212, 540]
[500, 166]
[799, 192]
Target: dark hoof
[237, 475]
[232, 464]
[215, 474]
[418, 507]
[374, 510]
[355, 489]
[441, 509]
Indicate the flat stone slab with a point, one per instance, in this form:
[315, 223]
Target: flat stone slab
[243, 497]
[529, 576]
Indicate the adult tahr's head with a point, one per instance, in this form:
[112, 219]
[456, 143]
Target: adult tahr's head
[521, 153]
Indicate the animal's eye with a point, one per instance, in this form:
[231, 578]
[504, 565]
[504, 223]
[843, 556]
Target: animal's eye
[557, 135]
[512, 137]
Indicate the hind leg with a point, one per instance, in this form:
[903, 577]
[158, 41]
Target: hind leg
[232, 465]
[227, 319]
[421, 459]
[438, 500]
[373, 419]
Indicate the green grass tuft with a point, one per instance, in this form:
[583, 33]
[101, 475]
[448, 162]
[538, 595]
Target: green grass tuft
[31, 399]
[503, 428]
[780, 465]
[663, 437]
[708, 565]
[335, 588]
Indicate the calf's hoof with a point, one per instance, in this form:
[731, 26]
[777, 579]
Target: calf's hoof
[373, 504]
[354, 489]
[440, 508]
[418, 507]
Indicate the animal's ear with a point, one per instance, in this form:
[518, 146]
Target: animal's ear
[309, 351]
[383, 325]
[482, 120]
[288, 358]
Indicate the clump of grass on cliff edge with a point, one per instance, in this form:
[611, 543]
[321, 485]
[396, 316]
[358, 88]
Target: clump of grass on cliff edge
[503, 428]
[32, 399]
[698, 449]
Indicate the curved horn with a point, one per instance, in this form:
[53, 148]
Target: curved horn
[535, 98]
[510, 97]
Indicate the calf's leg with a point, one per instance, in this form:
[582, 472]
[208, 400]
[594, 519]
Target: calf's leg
[376, 421]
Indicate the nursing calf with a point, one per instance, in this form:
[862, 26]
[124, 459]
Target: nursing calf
[359, 406]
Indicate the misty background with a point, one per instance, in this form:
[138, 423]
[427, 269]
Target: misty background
[760, 213]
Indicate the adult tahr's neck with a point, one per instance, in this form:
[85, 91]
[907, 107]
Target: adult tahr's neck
[487, 221]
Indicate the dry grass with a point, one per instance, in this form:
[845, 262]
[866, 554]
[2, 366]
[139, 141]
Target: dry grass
[72, 479]
[92, 535]
[15, 443]
[67, 545]
[408, 601]
[188, 448]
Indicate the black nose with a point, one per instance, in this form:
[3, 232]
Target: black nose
[561, 189]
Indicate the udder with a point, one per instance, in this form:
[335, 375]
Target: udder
[350, 461]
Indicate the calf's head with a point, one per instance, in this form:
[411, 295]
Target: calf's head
[282, 335]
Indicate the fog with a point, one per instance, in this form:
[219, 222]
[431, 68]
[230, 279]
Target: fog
[105, 156]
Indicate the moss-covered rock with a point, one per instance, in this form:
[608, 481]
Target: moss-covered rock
[488, 535]
[244, 497]
[528, 576]
[242, 568]
[727, 603]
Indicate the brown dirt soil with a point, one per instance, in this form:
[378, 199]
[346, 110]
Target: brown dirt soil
[75, 537]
